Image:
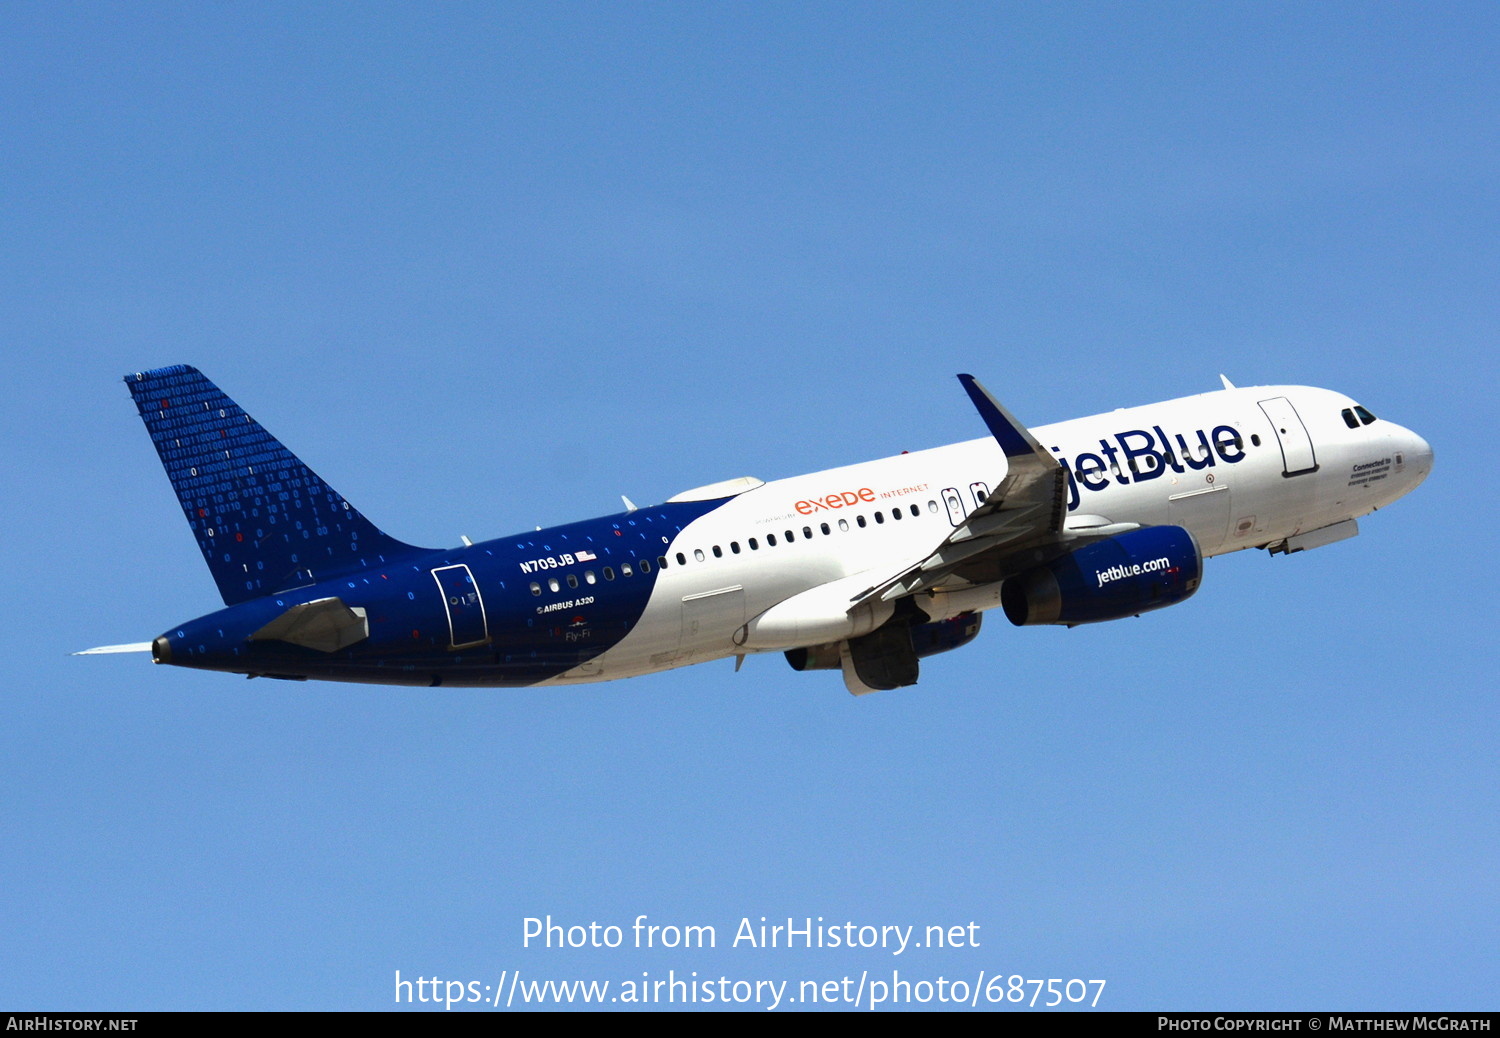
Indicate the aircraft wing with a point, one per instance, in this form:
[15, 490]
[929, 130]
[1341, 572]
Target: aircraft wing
[1012, 529]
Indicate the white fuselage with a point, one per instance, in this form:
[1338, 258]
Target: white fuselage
[1238, 468]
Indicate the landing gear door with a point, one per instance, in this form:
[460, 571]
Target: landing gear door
[467, 624]
[1296, 445]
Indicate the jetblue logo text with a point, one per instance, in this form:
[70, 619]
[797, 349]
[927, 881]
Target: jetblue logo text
[1143, 455]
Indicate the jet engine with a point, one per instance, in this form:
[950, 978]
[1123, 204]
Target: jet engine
[927, 639]
[1124, 575]
[944, 635]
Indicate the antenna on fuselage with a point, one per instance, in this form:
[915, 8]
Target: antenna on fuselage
[629, 504]
[1225, 379]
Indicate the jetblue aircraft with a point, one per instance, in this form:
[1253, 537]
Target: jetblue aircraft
[863, 569]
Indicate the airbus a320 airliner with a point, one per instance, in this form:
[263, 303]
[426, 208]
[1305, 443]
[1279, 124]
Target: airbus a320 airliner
[863, 569]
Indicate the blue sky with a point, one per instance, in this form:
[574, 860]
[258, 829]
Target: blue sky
[487, 267]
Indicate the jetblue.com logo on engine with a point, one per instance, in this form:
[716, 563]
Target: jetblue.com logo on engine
[1134, 570]
[1140, 455]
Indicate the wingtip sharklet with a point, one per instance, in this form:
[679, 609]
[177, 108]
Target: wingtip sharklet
[1012, 436]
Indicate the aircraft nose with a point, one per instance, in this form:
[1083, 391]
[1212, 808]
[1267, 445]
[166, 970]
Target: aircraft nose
[1417, 454]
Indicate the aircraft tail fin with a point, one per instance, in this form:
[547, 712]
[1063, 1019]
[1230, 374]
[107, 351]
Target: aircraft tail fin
[264, 520]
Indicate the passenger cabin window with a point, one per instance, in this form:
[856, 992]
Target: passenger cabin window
[825, 529]
[734, 546]
[770, 540]
[609, 573]
[698, 554]
[718, 552]
[553, 585]
[807, 532]
[681, 559]
[859, 519]
[879, 519]
[843, 526]
[572, 580]
[917, 512]
[588, 577]
[625, 570]
[790, 537]
[645, 565]
[536, 589]
[753, 545]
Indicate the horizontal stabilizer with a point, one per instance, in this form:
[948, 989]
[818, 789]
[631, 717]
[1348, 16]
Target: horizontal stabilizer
[102, 650]
[325, 624]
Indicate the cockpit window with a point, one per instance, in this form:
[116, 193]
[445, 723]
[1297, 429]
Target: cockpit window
[1364, 416]
[1349, 418]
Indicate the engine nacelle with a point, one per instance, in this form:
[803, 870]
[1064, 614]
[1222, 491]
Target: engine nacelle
[944, 635]
[926, 640]
[815, 657]
[1119, 576]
